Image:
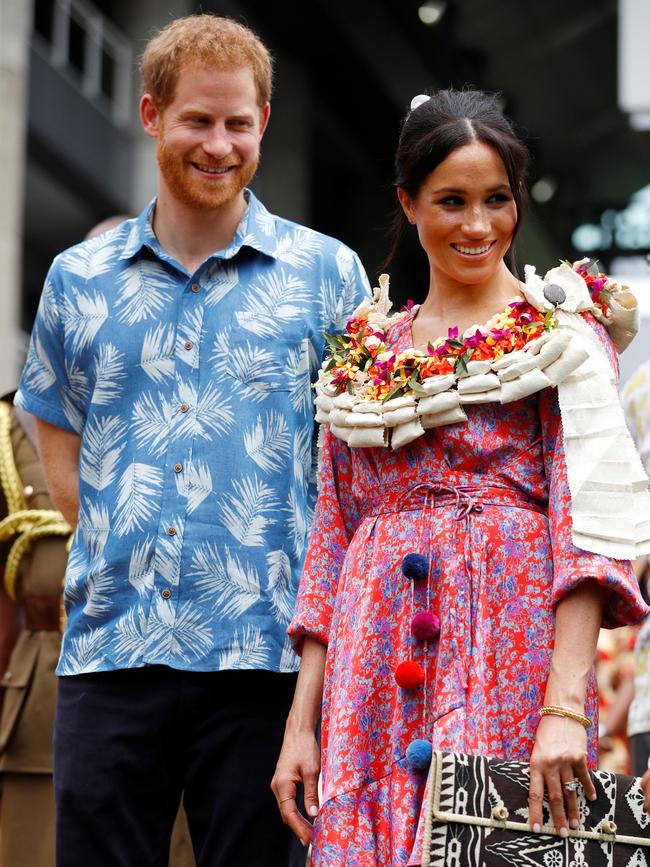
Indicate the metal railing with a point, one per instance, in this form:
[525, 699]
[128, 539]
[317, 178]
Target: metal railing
[82, 44]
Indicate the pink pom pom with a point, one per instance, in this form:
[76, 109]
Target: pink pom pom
[409, 675]
[425, 626]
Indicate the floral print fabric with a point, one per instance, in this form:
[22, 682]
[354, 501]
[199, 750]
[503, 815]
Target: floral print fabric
[487, 501]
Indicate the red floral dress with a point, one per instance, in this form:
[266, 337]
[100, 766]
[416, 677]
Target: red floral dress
[487, 502]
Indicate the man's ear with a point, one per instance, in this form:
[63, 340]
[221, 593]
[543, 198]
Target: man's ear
[265, 114]
[150, 115]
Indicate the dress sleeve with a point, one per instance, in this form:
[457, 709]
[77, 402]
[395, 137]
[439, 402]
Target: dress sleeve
[335, 522]
[572, 566]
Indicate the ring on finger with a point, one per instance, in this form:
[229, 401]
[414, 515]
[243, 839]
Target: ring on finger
[573, 785]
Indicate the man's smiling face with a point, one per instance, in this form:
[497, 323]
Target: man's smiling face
[208, 139]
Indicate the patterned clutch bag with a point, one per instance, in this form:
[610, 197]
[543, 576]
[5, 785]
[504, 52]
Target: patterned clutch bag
[477, 816]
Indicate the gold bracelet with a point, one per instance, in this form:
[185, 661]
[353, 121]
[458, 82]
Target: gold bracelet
[558, 710]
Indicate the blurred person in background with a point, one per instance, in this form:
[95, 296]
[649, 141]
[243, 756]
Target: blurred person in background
[34, 539]
[170, 370]
[636, 402]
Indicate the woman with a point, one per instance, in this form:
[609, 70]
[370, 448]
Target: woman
[451, 552]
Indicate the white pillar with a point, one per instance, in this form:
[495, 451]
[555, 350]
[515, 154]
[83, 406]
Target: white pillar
[15, 30]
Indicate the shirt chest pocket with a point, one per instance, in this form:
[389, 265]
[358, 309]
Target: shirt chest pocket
[264, 363]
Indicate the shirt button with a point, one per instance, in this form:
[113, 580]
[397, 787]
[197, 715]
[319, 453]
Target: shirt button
[171, 531]
[7, 675]
[188, 344]
[185, 407]
[178, 468]
[28, 490]
[166, 594]
[196, 287]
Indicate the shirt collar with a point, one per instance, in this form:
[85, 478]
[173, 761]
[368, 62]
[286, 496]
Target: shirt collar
[256, 229]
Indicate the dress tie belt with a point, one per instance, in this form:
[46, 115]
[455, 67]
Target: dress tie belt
[465, 499]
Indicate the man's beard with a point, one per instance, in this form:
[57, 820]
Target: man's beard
[192, 190]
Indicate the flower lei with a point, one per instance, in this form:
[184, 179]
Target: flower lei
[362, 363]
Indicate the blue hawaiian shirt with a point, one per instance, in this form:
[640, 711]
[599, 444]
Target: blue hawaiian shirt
[192, 396]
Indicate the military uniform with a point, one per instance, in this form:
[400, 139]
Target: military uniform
[33, 539]
[33, 551]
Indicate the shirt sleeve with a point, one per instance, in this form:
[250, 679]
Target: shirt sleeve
[572, 566]
[47, 384]
[335, 522]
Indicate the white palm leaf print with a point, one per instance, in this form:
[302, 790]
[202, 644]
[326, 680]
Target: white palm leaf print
[167, 559]
[75, 575]
[296, 523]
[298, 248]
[247, 650]
[143, 292]
[139, 487]
[101, 452]
[231, 587]
[281, 588]
[329, 303]
[272, 303]
[157, 356]
[297, 373]
[248, 511]
[129, 634]
[256, 370]
[109, 372]
[222, 280]
[90, 259]
[151, 421]
[212, 412]
[83, 315]
[265, 221]
[194, 483]
[190, 330]
[38, 370]
[184, 634]
[94, 526]
[99, 586]
[289, 657]
[85, 652]
[268, 442]
[80, 388]
[345, 262]
[141, 575]
[302, 456]
[49, 308]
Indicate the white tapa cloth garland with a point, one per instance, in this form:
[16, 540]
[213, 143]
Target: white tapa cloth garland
[610, 502]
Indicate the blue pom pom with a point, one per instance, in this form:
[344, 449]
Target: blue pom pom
[418, 755]
[415, 567]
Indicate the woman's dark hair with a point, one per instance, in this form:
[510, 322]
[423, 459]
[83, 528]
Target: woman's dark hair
[448, 120]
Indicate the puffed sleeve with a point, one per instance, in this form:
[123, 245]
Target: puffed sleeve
[335, 522]
[572, 566]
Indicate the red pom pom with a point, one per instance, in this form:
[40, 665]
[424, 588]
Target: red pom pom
[409, 675]
[425, 626]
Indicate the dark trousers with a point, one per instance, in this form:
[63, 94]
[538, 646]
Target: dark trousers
[128, 743]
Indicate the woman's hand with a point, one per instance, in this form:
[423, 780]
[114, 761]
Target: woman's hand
[299, 761]
[559, 756]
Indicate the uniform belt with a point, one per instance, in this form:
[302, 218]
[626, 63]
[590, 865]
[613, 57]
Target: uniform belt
[466, 499]
[42, 613]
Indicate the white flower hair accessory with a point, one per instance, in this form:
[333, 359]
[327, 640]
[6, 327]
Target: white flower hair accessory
[417, 101]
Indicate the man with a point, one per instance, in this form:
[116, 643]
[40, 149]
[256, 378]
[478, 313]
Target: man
[170, 369]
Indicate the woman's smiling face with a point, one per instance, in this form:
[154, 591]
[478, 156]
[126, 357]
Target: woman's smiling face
[465, 214]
